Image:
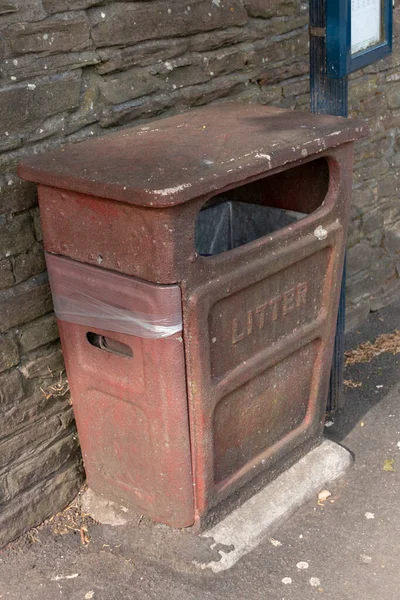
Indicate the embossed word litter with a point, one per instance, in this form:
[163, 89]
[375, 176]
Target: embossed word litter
[270, 310]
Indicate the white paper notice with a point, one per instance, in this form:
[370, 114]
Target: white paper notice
[365, 24]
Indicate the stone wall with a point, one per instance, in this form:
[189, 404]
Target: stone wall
[71, 69]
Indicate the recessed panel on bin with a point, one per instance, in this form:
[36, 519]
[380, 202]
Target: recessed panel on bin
[121, 434]
[255, 318]
[270, 406]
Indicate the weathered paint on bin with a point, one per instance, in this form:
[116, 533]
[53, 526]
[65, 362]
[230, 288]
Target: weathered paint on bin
[259, 320]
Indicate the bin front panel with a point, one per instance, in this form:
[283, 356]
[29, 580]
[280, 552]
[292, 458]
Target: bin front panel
[128, 391]
[259, 363]
[243, 324]
[259, 322]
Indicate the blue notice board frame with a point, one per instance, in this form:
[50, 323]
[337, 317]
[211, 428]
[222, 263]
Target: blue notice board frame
[339, 59]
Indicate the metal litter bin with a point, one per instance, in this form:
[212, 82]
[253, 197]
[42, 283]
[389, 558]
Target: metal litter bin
[195, 266]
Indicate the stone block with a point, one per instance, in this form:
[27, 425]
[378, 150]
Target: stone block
[376, 147]
[266, 53]
[279, 72]
[121, 23]
[16, 195]
[226, 60]
[37, 333]
[30, 432]
[144, 107]
[373, 104]
[48, 128]
[393, 97]
[271, 95]
[29, 263]
[26, 10]
[183, 72]
[370, 170]
[24, 106]
[388, 293]
[49, 363]
[390, 185]
[270, 8]
[361, 257]
[128, 85]
[392, 240]
[40, 466]
[390, 209]
[359, 287]
[142, 54]
[214, 40]
[9, 142]
[11, 388]
[38, 503]
[16, 234]
[8, 6]
[35, 65]
[25, 302]
[364, 197]
[67, 32]
[56, 6]
[22, 415]
[9, 355]
[217, 88]
[6, 274]
[354, 234]
[361, 88]
[371, 222]
[24, 412]
[372, 280]
[356, 314]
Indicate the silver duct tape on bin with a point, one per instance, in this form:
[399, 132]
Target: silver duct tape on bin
[100, 299]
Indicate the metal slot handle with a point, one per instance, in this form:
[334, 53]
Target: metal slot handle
[108, 344]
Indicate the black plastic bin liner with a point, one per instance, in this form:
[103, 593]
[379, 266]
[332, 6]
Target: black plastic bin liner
[229, 224]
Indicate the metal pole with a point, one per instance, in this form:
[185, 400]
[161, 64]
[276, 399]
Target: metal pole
[328, 96]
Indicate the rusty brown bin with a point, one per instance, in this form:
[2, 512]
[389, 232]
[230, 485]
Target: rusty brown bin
[195, 266]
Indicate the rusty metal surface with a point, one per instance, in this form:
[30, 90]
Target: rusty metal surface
[131, 411]
[177, 159]
[258, 320]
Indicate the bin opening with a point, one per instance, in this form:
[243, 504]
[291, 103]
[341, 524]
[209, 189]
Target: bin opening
[108, 344]
[250, 211]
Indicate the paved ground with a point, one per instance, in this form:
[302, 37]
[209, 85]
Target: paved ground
[348, 547]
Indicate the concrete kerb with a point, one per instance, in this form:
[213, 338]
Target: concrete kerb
[246, 526]
[243, 529]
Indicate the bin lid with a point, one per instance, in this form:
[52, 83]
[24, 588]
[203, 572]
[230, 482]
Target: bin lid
[173, 160]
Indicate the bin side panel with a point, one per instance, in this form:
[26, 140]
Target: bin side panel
[131, 412]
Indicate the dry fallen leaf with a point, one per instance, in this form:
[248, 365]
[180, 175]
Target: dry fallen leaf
[322, 496]
[387, 342]
[388, 464]
[352, 384]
